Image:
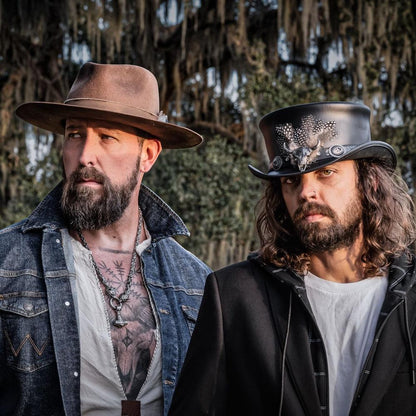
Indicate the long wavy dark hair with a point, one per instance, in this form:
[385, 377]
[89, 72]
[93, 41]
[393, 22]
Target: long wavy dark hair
[389, 225]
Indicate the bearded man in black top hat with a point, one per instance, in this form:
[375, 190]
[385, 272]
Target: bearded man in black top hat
[321, 320]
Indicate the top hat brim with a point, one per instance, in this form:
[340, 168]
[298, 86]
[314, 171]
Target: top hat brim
[52, 117]
[376, 150]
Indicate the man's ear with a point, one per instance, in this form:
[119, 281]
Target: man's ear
[150, 151]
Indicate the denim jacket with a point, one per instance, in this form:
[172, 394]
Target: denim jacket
[39, 340]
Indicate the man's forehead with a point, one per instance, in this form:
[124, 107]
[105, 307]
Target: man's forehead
[104, 124]
[342, 165]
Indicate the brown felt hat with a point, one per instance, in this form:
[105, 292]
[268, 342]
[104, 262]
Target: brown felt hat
[125, 94]
[307, 137]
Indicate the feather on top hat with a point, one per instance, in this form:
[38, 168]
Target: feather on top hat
[306, 137]
[125, 94]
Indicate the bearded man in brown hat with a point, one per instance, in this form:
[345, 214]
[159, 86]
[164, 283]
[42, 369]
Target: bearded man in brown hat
[97, 300]
[321, 320]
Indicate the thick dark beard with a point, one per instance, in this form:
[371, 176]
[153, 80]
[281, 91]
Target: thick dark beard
[81, 207]
[340, 233]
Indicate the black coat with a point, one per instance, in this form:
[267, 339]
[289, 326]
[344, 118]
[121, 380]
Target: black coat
[248, 313]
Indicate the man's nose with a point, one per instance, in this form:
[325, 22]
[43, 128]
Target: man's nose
[89, 151]
[308, 187]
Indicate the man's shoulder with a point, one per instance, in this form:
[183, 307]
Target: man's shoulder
[402, 272]
[19, 250]
[47, 214]
[255, 269]
[253, 264]
[240, 271]
[13, 228]
[16, 230]
[245, 266]
[171, 265]
[239, 283]
[173, 250]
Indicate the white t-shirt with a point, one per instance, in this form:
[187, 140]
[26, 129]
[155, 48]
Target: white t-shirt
[346, 314]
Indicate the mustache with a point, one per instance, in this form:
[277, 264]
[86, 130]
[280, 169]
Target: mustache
[314, 207]
[85, 173]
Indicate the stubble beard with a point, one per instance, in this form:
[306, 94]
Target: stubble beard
[85, 208]
[339, 233]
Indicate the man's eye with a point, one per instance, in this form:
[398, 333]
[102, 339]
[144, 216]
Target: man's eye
[288, 181]
[327, 172]
[107, 137]
[72, 136]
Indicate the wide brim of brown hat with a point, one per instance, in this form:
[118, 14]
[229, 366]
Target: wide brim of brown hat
[52, 117]
[379, 151]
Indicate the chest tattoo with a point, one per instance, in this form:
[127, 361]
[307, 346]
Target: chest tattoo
[135, 342]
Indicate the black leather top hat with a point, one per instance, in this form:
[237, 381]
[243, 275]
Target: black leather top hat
[306, 137]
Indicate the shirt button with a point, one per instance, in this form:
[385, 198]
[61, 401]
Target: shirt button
[58, 241]
[75, 373]
[67, 303]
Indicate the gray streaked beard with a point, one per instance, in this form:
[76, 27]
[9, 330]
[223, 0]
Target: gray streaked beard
[84, 210]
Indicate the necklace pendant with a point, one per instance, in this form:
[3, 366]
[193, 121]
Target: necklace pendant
[119, 322]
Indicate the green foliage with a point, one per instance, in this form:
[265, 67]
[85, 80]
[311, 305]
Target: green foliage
[403, 139]
[271, 57]
[34, 181]
[213, 191]
[272, 93]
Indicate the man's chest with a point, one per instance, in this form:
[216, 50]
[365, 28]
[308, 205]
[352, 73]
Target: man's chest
[102, 281]
[134, 342]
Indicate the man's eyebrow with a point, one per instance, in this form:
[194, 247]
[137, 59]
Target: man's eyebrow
[330, 166]
[112, 129]
[73, 126]
[103, 127]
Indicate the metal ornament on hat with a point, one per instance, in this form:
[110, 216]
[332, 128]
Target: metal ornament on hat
[303, 145]
[162, 117]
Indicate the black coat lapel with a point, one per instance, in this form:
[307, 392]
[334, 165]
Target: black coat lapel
[300, 370]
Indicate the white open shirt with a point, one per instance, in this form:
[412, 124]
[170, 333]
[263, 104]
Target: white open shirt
[101, 387]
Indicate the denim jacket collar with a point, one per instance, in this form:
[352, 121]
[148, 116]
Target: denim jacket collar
[161, 220]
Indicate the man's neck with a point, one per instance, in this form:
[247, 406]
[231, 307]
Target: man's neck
[118, 236]
[343, 265]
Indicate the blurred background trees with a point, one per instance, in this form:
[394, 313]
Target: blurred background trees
[221, 66]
